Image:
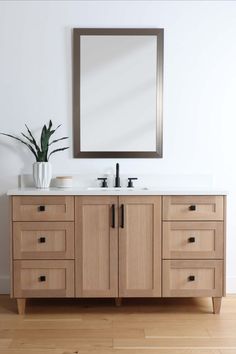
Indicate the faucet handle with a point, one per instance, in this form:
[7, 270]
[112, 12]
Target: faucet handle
[130, 182]
[104, 181]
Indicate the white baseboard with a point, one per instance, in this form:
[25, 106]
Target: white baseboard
[5, 285]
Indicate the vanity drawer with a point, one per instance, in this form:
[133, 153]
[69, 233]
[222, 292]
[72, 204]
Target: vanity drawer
[193, 208]
[189, 240]
[43, 208]
[192, 278]
[43, 240]
[43, 279]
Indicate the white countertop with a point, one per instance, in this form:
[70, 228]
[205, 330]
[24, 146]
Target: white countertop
[127, 191]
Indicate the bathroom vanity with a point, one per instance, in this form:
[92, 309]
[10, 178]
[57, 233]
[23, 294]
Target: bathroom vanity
[117, 244]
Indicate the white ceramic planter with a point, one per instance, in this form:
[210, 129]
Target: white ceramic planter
[42, 174]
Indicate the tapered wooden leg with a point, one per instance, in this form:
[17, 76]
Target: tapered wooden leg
[118, 301]
[21, 306]
[216, 302]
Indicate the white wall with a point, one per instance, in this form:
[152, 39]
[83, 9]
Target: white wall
[199, 91]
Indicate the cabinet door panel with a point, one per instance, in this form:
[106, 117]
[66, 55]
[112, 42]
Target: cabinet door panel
[96, 247]
[140, 247]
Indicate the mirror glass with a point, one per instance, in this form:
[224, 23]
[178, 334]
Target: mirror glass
[117, 94]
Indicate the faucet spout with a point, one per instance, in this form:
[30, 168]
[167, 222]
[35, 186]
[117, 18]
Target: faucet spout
[117, 179]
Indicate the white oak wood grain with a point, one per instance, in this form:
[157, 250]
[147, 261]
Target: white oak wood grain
[96, 247]
[58, 243]
[207, 208]
[140, 247]
[208, 240]
[208, 278]
[57, 208]
[59, 278]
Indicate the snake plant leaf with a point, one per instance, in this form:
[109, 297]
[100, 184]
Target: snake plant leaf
[42, 156]
[54, 151]
[50, 125]
[33, 139]
[53, 131]
[28, 138]
[40, 151]
[46, 134]
[45, 137]
[55, 141]
[44, 140]
[23, 142]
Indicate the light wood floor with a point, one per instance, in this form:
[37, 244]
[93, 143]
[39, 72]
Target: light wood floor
[166, 326]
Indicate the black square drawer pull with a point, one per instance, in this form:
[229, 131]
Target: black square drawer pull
[42, 278]
[41, 208]
[191, 278]
[192, 207]
[42, 239]
[191, 239]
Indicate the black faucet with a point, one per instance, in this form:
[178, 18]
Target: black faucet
[117, 179]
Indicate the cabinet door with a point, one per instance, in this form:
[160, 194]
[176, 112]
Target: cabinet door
[96, 237]
[140, 246]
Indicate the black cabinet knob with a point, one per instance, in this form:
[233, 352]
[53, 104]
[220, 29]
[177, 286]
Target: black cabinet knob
[191, 278]
[42, 278]
[42, 239]
[191, 239]
[192, 207]
[41, 208]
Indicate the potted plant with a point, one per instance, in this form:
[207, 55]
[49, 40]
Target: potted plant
[42, 170]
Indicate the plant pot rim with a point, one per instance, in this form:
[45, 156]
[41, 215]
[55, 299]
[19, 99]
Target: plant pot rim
[37, 162]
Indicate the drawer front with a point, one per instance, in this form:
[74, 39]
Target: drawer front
[43, 279]
[43, 208]
[192, 278]
[193, 208]
[193, 240]
[43, 240]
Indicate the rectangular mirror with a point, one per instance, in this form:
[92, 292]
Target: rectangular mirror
[117, 93]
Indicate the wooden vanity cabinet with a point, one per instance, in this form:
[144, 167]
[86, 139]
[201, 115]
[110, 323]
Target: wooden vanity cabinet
[118, 246]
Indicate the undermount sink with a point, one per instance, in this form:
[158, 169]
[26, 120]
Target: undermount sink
[109, 189]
